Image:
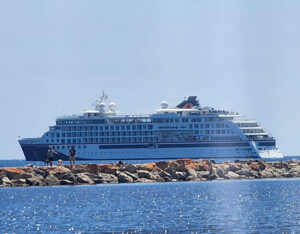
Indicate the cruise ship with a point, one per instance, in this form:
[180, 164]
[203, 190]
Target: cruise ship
[187, 130]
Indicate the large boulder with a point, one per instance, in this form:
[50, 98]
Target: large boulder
[150, 167]
[220, 172]
[232, 175]
[84, 178]
[295, 171]
[19, 182]
[233, 168]
[106, 178]
[165, 175]
[203, 175]
[162, 165]
[129, 168]
[41, 171]
[191, 175]
[144, 174]
[180, 175]
[108, 169]
[133, 176]
[36, 180]
[52, 180]
[6, 181]
[123, 178]
[248, 173]
[16, 173]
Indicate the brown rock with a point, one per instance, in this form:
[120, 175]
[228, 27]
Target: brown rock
[162, 165]
[150, 167]
[108, 169]
[16, 173]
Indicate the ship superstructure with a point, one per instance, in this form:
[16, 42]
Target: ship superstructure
[187, 130]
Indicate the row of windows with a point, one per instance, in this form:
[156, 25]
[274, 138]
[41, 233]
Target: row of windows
[108, 140]
[123, 128]
[141, 120]
[87, 140]
[101, 128]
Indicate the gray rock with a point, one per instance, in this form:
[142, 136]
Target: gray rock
[52, 180]
[287, 174]
[232, 175]
[180, 175]
[66, 182]
[144, 174]
[268, 173]
[245, 172]
[123, 178]
[106, 178]
[40, 172]
[84, 178]
[133, 176]
[19, 182]
[191, 175]
[220, 173]
[36, 180]
[156, 177]
[164, 174]
[6, 181]
[69, 177]
[233, 168]
[144, 180]
[130, 168]
[203, 174]
[295, 171]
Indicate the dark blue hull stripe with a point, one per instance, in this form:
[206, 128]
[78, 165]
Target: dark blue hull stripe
[38, 152]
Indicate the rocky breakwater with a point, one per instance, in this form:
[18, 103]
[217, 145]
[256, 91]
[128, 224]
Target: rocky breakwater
[164, 171]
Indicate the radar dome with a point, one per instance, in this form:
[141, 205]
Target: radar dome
[102, 106]
[164, 105]
[112, 106]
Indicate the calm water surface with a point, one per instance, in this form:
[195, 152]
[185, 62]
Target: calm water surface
[247, 206]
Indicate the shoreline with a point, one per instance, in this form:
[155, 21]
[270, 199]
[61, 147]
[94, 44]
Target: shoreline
[152, 172]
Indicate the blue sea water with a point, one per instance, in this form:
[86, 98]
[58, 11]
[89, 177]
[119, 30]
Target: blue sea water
[245, 206]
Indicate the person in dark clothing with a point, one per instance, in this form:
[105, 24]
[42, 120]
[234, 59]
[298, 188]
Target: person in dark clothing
[72, 153]
[50, 155]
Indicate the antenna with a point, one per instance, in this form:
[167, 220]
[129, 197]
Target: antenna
[104, 97]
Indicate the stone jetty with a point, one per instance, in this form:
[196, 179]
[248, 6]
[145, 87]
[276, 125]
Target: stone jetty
[163, 171]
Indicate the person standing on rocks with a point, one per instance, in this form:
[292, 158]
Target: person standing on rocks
[72, 153]
[50, 155]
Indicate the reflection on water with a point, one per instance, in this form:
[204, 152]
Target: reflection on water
[248, 206]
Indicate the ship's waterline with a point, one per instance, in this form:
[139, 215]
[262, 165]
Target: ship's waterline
[187, 130]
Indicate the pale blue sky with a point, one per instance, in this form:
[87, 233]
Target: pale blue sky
[57, 56]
